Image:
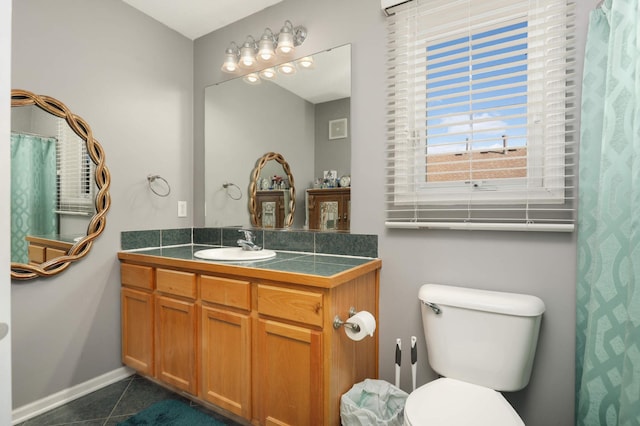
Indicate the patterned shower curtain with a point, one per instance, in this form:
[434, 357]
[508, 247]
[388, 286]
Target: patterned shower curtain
[608, 282]
[33, 191]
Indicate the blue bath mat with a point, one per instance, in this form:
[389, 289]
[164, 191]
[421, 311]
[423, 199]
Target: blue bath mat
[170, 413]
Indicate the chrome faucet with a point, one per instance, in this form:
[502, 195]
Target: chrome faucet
[248, 242]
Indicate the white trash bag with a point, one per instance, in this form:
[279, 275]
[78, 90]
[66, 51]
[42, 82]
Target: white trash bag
[373, 402]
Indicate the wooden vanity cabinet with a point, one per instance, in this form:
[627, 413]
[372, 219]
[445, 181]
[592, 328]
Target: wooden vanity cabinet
[329, 209]
[226, 343]
[176, 329]
[41, 250]
[257, 343]
[290, 365]
[137, 317]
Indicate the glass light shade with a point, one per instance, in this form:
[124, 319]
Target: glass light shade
[268, 74]
[306, 62]
[247, 56]
[230, 63]
[265, 49]
[285, 41]
[287, 68]
[252, 78]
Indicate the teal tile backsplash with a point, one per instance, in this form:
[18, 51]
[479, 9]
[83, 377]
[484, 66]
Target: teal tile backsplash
[299, 241]
[139, 239]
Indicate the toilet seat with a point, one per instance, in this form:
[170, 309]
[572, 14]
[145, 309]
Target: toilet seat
[450, 402]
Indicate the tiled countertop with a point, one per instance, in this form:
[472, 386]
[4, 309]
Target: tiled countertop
[297, 267]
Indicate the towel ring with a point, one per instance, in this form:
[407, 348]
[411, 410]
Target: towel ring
[226, 186]
[153, 178]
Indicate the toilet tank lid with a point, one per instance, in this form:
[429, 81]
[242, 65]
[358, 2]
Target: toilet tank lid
[482, 300]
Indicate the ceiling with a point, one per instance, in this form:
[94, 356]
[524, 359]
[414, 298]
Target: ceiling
[195, 18]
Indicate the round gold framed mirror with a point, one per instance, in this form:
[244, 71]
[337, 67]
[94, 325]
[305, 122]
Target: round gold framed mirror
[61, 171]
[272, 193]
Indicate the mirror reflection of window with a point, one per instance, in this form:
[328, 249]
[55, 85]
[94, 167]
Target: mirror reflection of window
[74, 174]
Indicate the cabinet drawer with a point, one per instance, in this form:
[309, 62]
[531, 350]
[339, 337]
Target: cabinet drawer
[294, 305]
[36, 254]
[225, 291]
[176, 283]
[136, 276]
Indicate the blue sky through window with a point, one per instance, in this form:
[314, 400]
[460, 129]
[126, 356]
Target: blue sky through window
[477, 91]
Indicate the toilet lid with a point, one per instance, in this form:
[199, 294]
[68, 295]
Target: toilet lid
[450, 402]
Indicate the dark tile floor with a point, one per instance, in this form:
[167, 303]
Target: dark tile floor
[114, 403]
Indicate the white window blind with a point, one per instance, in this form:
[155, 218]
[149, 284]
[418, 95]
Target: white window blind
[480, 115]
[75, 169]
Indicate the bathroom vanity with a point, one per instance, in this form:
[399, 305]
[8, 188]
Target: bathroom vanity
[44, 248]
[254, 338]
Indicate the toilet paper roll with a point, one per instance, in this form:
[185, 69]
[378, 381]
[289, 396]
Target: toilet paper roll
[367, 323]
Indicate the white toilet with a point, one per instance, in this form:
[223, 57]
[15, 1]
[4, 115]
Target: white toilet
[481, 343]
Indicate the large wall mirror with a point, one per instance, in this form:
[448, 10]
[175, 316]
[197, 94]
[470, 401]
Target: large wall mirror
[59, 186]
[289, 115]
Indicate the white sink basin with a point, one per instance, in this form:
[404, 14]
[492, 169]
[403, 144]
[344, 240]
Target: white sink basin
[234, 254]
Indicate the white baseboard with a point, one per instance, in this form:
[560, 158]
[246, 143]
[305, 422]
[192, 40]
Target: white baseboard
[50, 402]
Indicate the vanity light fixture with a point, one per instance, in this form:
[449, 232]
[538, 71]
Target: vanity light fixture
[252, 78]
[287, 68]
[230, 63]
[268, 74]
[266, 47]
[268, 50]
[248, 54]
[306, 62]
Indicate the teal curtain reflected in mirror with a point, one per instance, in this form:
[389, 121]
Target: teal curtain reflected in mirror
[608, 280]
[33, 191]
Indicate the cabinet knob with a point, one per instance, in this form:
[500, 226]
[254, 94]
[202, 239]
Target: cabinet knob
[318, 307]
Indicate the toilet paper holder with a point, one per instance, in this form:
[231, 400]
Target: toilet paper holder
[337, 322]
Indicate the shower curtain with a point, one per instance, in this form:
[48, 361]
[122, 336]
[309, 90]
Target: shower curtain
[33, 191]
[608, 281]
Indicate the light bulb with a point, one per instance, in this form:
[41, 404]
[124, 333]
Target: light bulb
[247, 55]
[285, 45]
[306, 62]
[287, 68]
[230, 63]
[268, 73]
[252, 78]
[265, 47]
[285, 40]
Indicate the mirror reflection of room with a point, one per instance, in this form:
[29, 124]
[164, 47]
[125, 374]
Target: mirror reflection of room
[290, 115]
[53, 186]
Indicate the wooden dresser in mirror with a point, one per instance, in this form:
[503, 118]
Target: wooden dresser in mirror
[329, 209]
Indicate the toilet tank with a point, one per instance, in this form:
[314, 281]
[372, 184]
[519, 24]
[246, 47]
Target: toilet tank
[483, 337]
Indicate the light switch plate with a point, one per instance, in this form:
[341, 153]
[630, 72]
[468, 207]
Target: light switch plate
[182, 209]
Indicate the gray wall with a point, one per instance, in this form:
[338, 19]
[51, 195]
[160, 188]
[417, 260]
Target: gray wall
[332, 154]
[131, 79]
[541, 264]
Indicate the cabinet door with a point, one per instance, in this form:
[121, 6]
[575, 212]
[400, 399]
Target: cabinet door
[226, 360]
[345, 223]
[329, 209]
[330, 214]
[176, 343]
[137, 330]
[289, 380]
[270, 209]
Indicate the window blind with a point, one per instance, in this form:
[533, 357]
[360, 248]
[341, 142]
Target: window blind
[75, 171]
[480, 115]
